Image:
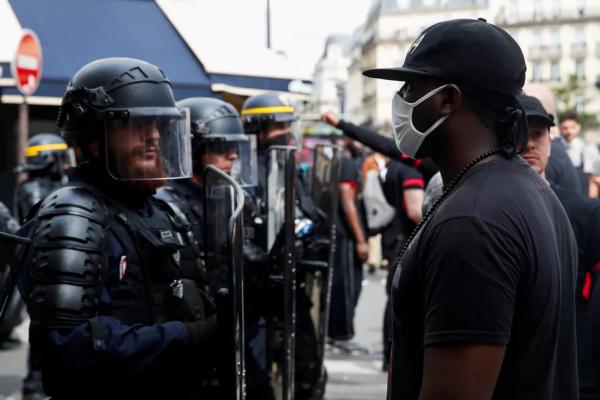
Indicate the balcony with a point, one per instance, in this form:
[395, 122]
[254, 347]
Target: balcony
[578, 50]
[536, 52]
[552, 52]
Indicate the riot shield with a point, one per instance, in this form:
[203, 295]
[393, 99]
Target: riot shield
[319, 259]
[223, 248]
[12, 247]
[280, 202]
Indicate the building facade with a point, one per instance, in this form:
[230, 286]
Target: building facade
[559, 38]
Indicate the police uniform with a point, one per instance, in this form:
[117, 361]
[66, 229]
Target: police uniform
[119, 305]
[258, 112]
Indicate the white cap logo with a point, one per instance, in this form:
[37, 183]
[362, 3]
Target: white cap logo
[416, 43]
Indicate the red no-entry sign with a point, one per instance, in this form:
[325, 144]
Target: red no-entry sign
[27, 64]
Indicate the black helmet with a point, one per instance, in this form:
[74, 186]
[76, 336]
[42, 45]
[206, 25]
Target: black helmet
[217, 129]
[213, 118]
[266, 107]
[123, 97]
[44, 151]
[107, 88]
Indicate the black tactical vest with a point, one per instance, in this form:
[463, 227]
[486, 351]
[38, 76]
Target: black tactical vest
[162, 277]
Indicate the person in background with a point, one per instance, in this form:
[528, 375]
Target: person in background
[374, 162]
[350, 252]
[584, 216]
[560, 169]
[570, 130]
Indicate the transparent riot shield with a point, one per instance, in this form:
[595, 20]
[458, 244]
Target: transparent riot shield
[280, 202]
[12, 247]
[223, 247]
[319, 259]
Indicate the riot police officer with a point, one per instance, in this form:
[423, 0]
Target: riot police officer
[47, 159]
[220, 149]
[218, 139]
[119, 306]
[270, 117]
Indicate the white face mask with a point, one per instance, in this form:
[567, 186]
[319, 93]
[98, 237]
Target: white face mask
[408, 138]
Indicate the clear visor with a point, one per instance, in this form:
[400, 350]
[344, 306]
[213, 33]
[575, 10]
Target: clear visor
[149, 144]
[233, 154]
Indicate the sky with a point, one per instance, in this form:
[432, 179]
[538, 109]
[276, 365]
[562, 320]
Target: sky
[298, 28]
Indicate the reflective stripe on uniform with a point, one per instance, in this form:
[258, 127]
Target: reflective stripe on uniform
[33, 151]
[268, 110]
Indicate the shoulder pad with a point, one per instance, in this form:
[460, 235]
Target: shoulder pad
[68, 257]
[73, 200]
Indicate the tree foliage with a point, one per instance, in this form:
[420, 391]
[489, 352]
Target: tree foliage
[566, 95]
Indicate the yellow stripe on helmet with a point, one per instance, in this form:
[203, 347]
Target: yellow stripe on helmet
[267, 110]
[33, 151]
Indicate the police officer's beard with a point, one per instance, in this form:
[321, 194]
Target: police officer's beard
[137, 172]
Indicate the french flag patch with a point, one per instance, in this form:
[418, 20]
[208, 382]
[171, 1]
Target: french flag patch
[122, 267]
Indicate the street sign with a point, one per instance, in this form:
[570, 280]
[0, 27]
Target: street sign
[27, 64]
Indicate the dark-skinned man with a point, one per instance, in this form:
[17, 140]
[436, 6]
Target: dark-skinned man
[584, 215]
[484, 291]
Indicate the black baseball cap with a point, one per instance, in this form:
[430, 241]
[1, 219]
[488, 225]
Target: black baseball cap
[535, 110]
[470, 52]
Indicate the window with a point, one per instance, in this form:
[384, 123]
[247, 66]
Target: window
[580, 70]
[555, 72]
[555, 11]
[580, 103]
[555, 39]
[580, 35]
[580, 7]
[538, 10]
[536, 41]
[536, 72]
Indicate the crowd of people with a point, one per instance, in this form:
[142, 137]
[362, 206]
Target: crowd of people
[483, 208]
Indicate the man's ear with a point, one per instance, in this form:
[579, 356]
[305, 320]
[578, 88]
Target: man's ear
[451, 99]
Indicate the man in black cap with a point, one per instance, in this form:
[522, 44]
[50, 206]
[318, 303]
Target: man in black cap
[485, 286]
[584, 216]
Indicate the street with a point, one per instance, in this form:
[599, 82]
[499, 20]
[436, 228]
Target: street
[360, 377]
[350, 376]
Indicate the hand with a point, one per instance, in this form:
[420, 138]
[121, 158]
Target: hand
[202, 334]
[362, 251]
[330, 118]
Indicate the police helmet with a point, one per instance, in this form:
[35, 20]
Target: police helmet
[128, 101]
[216, 128]
[44, 151]
[264, 108]
[213, 119]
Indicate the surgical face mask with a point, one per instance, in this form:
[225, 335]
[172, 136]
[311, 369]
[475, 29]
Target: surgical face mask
[408, 138]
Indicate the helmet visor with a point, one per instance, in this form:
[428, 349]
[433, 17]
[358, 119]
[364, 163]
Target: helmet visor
[233, 154]
[149, 144]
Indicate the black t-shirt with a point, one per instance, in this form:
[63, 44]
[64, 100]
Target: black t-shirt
[398, 178]
[348, 176]
[495, 265]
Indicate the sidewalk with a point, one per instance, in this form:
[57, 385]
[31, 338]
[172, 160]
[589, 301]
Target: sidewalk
[353, 377]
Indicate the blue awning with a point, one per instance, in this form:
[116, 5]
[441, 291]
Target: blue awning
[74, 33]
[253, 82]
